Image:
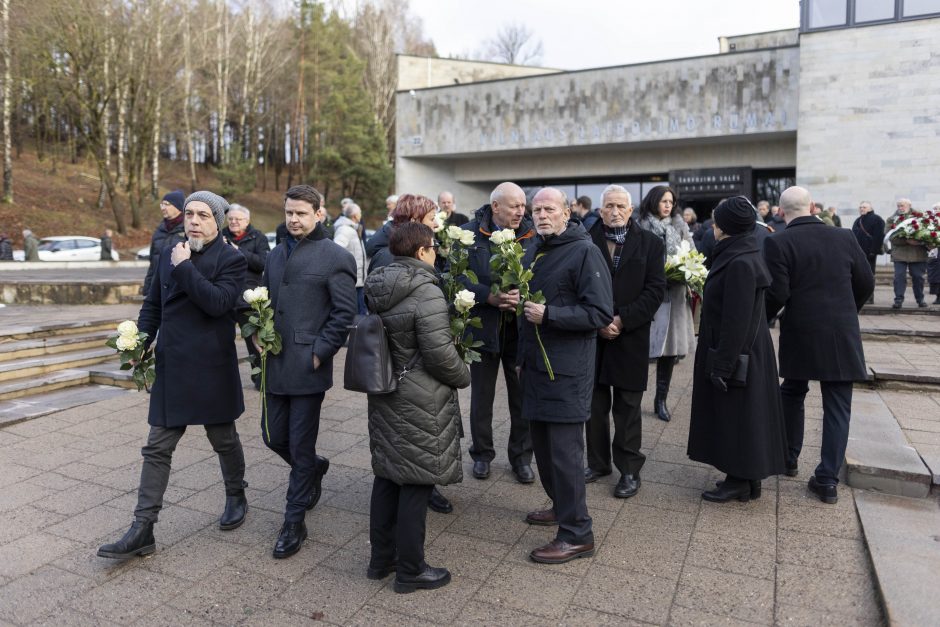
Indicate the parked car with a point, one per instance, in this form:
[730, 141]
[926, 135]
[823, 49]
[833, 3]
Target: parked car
[143, 254]
[272, 239]
[72, 248]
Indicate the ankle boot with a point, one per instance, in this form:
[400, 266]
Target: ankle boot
[137, 541]
[664, 366]
[755, 488]
[236, 506]
[730, 488]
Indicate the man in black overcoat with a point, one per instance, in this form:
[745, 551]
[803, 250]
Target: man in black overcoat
[822, 278]
[869, 231]
[193, 292]
[312, 285]
[499, 334]
[634, 258]
[571, 273]
[167, 234]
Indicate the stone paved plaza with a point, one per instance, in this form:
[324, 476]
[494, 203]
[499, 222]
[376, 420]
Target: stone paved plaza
[68, 479]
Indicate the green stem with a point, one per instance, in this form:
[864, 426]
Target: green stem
[548, 365]
[264, 396]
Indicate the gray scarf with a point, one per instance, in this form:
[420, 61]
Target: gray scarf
[668, 229]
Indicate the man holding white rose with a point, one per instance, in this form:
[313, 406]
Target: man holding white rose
[312, 285]
[506, 215]
[190, 302]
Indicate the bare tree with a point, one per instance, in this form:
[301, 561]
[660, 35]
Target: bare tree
[7, 79]
[513, 43]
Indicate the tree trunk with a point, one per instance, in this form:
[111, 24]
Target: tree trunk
[155, 136]
[187, 102]
[7, 78]
[222, 67]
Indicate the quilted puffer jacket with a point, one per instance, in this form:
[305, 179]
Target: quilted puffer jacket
[414, 431]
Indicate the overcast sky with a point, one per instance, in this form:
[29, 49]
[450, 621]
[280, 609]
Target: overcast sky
[594, 33]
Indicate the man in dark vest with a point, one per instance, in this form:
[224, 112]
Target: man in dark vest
[634, 258]
[312, 286]
[817, 269]
[190, 302]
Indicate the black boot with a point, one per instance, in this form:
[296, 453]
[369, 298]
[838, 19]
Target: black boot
[755, 488]
[664, 366]
[137, 541]
[290, 539]
[439, 503]
[236, 506]
[730, 488]
[322, 465]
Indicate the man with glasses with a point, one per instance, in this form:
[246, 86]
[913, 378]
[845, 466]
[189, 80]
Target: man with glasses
[169, 233]
[499, 335]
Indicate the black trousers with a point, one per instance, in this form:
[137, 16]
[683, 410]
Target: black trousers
[628, 431]
[483, 376]
[397, 525]
[837, 410]
[290, 430]
[158, 456]
[559, 451]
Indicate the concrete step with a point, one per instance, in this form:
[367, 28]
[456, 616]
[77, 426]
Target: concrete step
[906, 310]
[898, 378]
[110, 373]
[901, 335]
[11, 332]
[879, 456]
[35, 366]
[11, 349]
[903, 537]
[35, 405]
[28, 386]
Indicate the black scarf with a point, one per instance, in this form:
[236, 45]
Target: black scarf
[618, 235]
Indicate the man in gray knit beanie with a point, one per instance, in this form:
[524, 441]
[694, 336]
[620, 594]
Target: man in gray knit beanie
[208, 205]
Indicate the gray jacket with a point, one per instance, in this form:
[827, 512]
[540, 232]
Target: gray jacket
[414, 431]
[313, 293]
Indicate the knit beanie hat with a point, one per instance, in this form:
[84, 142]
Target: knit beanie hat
[176, 198]
[735, 215]
[218, 205]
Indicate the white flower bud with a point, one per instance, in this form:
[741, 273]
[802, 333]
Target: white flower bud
[464, 301]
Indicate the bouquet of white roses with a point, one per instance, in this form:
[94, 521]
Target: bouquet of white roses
[261, 325]
[131, 345]
[687, 267]
[508, 274]
[466, 345]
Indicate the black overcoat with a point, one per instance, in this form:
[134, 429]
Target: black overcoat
[162, 239]
[255, 248]
[639, 287]
[478, 261]
[197, 368]
[313, 293]
[869, 231]
[741, 431]
[573, 277]
[822, 278]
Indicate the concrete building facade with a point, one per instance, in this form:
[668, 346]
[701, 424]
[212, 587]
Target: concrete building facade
[850, 110]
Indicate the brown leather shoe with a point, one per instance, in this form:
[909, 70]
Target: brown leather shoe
[559, 552]
[544, 517]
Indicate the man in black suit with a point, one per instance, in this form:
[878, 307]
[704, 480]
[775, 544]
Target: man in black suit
[815, 269]
[869, 230]
[635, 260]
[312, 284]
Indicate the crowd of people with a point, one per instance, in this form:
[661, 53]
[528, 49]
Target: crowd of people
[573, 361]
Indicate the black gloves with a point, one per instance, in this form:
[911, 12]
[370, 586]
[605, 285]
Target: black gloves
[719, 383]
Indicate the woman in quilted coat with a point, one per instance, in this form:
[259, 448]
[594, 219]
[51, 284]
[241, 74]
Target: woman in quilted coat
[414, 431]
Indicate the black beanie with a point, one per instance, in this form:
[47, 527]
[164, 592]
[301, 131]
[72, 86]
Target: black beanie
[176, 198]
[735, 215]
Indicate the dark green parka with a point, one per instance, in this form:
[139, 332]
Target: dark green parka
[414, 431]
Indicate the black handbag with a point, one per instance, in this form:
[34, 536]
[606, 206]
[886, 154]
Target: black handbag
[738, 376]
[369, 366]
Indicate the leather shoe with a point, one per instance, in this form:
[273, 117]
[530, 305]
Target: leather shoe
[137, 541]
[544, 517]
[792, 469]
[439, 503]
[827, 492]
[481, 469]
[591, 475]
[628, 486]
[558, 552]
[755, 488]
[428, 579]
[381, 572]
[896, 305]
[729, 489]
[290, 540]
[523, 473]
[322, 465]
[236, 506]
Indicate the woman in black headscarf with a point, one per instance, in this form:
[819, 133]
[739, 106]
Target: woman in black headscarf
[737, 418]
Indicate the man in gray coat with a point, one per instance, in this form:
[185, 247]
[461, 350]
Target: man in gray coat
[312, 285]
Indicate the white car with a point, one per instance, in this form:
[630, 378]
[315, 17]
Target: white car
[72, 248]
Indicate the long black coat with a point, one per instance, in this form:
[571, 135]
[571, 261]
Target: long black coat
[254, 246]
[313, 293]
[162, 238]
[822, 278]
[575, 280]
[741, 431]
[639, 287]
[197, 368]
[479, 256]
[869, 231]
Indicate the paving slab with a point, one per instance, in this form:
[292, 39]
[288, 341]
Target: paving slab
[903, 537]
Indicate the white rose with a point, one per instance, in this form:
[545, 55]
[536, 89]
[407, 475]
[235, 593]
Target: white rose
[262, 292]
[453, 232]
[126, 343]
[249, 296]
[502, 236]
[256, 295]
[128, 328]
[466, 237]
[464, 301]
[441, 217]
